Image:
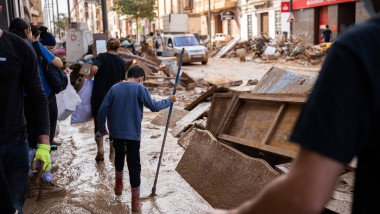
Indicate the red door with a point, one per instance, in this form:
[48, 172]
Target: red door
[323, 20]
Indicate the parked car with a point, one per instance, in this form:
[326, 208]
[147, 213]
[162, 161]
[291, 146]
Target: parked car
[194, 52]
[221, 37]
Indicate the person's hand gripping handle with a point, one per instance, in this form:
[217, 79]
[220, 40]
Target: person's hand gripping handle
[43, 154]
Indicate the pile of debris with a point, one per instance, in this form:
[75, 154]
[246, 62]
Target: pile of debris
[269, 49]
[244, 136]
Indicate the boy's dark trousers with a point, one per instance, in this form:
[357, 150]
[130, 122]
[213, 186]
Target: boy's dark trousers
[131, 148]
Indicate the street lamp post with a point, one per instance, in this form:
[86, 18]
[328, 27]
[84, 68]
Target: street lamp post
[209, 23]
[104, 13]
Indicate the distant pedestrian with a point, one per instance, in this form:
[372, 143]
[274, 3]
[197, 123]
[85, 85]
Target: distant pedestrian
[149, 41]
[19, 74]
[123, 109]
[326, 34]
[108, 69]
[158, 43]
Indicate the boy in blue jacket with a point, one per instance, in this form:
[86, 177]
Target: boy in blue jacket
[123, 109]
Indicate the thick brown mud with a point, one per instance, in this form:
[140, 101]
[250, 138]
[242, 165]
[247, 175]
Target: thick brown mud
[89, 184]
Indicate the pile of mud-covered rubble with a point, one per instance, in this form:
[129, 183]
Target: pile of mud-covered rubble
[269, 49]
[236, 142]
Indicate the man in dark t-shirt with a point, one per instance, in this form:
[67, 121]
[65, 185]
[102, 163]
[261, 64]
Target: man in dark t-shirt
[340, 121]
[108, 69]
[326, 34]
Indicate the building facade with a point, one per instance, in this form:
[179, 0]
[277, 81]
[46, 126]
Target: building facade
[313, 16]
[262, 17]
[31, 10]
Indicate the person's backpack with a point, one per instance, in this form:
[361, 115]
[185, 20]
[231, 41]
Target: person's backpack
[156, 44]
[55, 77]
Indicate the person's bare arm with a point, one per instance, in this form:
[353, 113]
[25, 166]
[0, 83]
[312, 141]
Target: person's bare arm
[93, 71]
[305, 189]
[57, 62]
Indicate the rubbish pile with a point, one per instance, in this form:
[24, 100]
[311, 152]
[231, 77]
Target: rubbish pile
[272, 49]
[244, 136]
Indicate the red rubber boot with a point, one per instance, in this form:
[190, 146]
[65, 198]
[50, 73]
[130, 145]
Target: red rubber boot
[118, 183]
[136, 206]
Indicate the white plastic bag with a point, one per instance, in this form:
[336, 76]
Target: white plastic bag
[83, 111]
[67, 101]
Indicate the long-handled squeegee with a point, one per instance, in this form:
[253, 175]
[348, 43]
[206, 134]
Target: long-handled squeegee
[167, 124]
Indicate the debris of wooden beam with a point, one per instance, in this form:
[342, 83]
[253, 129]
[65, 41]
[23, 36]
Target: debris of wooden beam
[164, 77]
[219, 104]
[187, 81]
[150, 64]
[226, 49]
[204, 97]
[162, 117]
[186, 121]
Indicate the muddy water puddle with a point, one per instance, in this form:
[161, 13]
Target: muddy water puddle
[89, 184]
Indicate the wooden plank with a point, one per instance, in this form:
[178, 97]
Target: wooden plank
[208, 93]
[234, 105]
[186, 121]
[187, 81]
[159, 77]
[162, 118]
[218, 109]
[274, 123]
[258, 145]
[203, 97]
[288, 99]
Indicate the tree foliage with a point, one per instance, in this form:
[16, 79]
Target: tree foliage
[136, 8]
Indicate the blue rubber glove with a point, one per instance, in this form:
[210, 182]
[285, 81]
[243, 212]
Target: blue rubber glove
[43, 154]
[165, 52]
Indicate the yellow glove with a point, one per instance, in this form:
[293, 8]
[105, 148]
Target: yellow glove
[43, 154]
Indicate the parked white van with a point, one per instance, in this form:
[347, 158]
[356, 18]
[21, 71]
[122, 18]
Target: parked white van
[194, 52]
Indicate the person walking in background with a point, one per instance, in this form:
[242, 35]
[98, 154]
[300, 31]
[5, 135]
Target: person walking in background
[19, 74]
[42, 187]
[123, 109]
[332, 130]
[108, 69]
[149, 41]
[326, 34]
[159, 44]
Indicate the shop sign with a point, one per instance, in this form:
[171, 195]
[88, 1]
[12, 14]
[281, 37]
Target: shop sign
[285, 6]
[299, 4]
[227, 15]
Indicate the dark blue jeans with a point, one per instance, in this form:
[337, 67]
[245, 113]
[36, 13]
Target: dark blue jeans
[130, 148]
[15, 166]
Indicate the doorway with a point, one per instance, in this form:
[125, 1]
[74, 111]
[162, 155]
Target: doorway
[265, 23]
[323, 21]
[346, 16]
[218, 24]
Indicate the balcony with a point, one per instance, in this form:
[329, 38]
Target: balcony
[258, 3]
[188, 6]
[201, 6]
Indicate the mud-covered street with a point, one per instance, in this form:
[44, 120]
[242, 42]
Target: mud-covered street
[90, 184]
